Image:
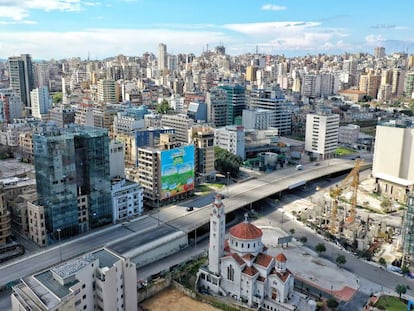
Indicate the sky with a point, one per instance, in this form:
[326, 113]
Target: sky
[59, 29]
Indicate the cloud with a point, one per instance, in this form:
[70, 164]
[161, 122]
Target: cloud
[374, 39]
[273, 7]
[19, 10]
[106, 42]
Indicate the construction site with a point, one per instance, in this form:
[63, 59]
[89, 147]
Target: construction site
[350, 213]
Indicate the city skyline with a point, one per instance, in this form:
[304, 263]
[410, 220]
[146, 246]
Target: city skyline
[77, 28]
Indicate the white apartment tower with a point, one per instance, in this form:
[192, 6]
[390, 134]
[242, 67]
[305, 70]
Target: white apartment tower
[41, 101]
[107, 91]
[321, 137]
[162, 57]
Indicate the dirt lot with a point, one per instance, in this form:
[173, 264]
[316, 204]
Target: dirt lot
[172, 299]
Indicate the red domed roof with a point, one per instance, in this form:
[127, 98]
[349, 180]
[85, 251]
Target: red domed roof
[246, 231]
[281, 258]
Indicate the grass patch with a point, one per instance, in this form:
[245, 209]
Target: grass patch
[342, 151]
[390, 303]
[207, 188]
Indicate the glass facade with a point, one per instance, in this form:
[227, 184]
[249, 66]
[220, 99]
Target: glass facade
[72, 163]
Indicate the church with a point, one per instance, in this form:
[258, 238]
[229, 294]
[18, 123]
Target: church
[241, 268]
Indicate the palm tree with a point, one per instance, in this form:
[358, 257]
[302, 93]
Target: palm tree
[400, 289]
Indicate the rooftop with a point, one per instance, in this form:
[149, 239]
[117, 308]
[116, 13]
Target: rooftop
[106, 258]
[71, 267]
[246, 231]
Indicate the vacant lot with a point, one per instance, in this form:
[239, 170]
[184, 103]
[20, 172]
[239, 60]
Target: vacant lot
[172, 299]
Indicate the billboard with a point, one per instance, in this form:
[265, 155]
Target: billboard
[177, 171]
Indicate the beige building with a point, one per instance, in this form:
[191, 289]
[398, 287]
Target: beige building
[37, 224]
[393, 166]
[5, 227]
[203, 139]
[26, 146]
[352, 95]
[101, 280]
[180, 122]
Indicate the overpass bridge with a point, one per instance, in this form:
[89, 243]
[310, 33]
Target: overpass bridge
[167, 231]
[244, 194]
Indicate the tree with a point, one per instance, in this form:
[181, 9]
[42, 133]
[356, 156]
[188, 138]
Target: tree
[320, 248]
[163, 107]
[226, 161]
[400, 289]
[382, 261]
[303, 239]
[292, 231]
[332, 303]
[386, 204]
[57, 98]
[340, 260]
[405, 269]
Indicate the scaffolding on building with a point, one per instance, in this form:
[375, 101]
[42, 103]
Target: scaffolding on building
[408, 231]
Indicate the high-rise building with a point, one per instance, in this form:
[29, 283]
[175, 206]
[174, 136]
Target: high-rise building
[217, 108]
[398, 77]
[5, 227]
[10, 106]
[21, 78]
[321, 136]
[379, 52]
[274, 101]
[72, 170]
[41, 101]
[100, 280]
[203, 139]
[162, 57]
[236, 101]
[409, 85]
[180, 122]
[107, 91]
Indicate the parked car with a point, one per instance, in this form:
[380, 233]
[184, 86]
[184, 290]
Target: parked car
[189, 208]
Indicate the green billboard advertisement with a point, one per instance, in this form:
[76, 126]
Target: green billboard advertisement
[177, 171]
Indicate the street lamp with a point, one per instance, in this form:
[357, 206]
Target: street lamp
[158, 208]
[60, 249]
[283, 214]
[228, 182]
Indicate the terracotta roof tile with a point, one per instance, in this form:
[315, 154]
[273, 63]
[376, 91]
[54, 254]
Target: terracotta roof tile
[252, 271]
[263, 260]
[282, 275]
[236, 257]
[281, 257]
[248, 256]
[246, 231]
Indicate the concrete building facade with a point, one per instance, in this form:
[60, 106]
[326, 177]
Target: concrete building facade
[100, 280]
[321, 136]
[393, 164]
[231, 138]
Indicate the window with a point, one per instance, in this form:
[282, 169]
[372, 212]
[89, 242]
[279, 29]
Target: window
[230, 273]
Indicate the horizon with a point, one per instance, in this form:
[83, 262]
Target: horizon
[62, 29]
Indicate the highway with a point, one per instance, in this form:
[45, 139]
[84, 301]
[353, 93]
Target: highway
[238, 195]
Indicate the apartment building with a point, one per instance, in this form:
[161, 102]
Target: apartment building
[101, 280]
[321, 136]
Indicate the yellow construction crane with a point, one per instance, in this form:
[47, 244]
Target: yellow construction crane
[336, 192]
